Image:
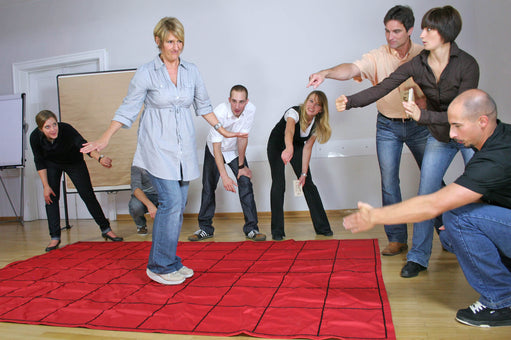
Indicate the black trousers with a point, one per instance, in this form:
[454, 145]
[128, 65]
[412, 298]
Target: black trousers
[79, 175]
[278, 188]
[210, 177]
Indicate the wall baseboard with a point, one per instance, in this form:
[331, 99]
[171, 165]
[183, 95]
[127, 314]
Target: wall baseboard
[224, 215]
[261, 215]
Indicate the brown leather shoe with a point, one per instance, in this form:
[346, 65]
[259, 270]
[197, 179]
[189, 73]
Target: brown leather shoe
[394, 248]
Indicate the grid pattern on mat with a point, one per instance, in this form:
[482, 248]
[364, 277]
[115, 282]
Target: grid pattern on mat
[291, 289]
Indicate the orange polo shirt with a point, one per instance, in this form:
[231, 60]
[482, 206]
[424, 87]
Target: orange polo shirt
[377, 65]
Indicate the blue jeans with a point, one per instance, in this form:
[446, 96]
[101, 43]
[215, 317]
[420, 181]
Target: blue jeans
[480, 236]
[167, 225]
[437, 158]
[137, 209]
[210, 176]
[390, 137]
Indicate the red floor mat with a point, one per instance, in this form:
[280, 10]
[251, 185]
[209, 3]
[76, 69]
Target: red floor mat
[290, 289]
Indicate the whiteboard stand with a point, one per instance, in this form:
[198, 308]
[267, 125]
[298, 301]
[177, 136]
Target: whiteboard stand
[12, 143]
[66, 212]
[18, 218]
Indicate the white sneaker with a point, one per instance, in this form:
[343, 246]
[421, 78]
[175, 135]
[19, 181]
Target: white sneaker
[185, 272]
[173, 278]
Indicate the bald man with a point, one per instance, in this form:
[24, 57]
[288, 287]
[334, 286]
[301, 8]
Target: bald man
[476, 209]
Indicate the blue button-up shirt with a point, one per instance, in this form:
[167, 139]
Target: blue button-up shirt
[166, 136]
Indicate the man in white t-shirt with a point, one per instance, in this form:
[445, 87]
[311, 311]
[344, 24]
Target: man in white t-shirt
[236, 116]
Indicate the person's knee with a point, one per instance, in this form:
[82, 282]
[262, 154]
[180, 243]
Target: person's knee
[244, 181]
[170, 206]
[136, 208]
[456, 219]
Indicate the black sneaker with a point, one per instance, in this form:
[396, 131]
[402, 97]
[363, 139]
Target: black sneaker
[411, 269]
[199, 235]
[481, 316]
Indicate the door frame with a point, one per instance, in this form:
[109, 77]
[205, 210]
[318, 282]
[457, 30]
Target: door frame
[21, 72]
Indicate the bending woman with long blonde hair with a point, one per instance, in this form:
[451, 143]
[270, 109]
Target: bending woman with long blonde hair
[291, 141]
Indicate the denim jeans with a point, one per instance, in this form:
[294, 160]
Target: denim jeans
[437, 158]
[137, 209]
[480, 236]
[390, 137]
[167, 225]
[210, 176]
[79, 175]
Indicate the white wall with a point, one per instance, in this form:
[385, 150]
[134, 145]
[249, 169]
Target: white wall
[271, 47]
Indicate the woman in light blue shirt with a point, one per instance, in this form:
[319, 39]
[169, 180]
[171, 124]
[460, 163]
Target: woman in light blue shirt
[166, 148]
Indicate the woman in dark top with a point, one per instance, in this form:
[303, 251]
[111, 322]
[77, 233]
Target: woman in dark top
[56, 148]
[442, 71]
[291, 141]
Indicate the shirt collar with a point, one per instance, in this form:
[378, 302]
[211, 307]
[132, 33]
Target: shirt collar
[498, 130]
[453, 52]
[158, 63]
[394, 52]
[231, 114]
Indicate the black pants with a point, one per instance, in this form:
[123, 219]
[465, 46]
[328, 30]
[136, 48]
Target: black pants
[278, 188]
[79, 175]
[210, 177]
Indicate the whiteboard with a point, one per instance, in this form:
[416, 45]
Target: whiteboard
[12, 139]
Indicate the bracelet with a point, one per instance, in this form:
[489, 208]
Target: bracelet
[100, 158]
[304, 174]
[241, 166]
[218, 126]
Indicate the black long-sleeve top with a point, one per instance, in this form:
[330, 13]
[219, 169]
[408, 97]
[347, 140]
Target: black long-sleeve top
[64, 151]
[460, 74]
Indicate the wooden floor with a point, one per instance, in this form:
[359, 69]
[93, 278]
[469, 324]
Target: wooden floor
[422, 308]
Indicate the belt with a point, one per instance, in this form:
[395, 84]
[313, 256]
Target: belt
[396, 119]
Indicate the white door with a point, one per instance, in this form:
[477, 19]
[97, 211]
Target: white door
[38, 79]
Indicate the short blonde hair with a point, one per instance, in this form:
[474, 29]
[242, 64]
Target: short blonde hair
[169, 25]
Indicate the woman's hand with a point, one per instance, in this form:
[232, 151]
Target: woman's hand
[287, 154]
[102, 142]
[412, 110]
[96, 145]
[302, 180]
[340, 103]
[106, 162]
[48, 192]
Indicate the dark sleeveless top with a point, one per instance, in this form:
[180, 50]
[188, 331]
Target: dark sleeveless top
[279, 130]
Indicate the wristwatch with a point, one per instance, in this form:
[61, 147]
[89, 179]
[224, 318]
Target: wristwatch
[218, 126]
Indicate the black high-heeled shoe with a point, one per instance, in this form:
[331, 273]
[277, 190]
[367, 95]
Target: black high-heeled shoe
[114, 239]
[52, 248]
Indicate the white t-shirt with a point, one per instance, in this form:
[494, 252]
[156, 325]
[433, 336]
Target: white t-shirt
[292, 113]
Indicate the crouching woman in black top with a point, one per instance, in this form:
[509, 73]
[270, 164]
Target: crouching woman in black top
[291, 141]
[56, 148]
